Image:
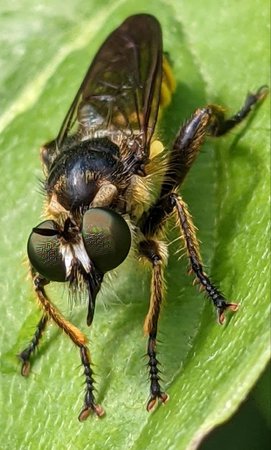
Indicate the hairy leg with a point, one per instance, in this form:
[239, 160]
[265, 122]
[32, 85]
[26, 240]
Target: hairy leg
[206, 121]
[77, 337]
[153, 251]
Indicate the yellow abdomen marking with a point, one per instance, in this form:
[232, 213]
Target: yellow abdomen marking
[168, 84]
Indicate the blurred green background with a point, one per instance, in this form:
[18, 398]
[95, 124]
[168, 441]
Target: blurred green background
[250, 427]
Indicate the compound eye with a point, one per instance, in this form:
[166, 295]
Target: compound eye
[43, 248]
[107, 238]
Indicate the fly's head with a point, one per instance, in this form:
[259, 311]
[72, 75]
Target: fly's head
[62, 253]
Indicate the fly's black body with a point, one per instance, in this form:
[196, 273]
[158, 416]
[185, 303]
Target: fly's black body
[99, 157]
[100, 174]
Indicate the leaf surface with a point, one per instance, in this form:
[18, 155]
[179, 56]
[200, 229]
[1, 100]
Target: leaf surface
[219, 52]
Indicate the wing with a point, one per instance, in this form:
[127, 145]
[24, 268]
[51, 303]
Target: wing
[120, 93]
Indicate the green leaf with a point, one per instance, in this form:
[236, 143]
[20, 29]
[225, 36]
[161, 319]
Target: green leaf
[220, 51]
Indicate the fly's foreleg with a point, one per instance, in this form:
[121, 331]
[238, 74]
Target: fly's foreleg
[77, 337]
[25, 355]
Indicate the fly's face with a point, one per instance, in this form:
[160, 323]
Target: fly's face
[69, 253]
[99, 173]
[102, 243]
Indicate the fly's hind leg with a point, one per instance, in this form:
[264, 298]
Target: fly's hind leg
[184, 152]
[206, 121]
[222, 125]
[209, 120]
[153, 251]
[77, 337]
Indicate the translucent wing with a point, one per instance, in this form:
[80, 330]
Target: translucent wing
[121, 91]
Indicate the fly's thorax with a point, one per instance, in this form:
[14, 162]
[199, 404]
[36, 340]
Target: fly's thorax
[78, 172]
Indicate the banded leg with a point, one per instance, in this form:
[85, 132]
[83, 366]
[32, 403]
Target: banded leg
[25, 355]
[192, 247]
[150, 250]
[89, 404]
[78, 338]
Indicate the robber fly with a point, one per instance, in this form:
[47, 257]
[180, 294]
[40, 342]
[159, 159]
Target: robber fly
[100, 175]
